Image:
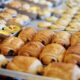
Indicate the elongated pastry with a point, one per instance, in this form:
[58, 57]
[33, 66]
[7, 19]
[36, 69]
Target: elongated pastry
[11, 45]
[52, 52]
[72, 55]
[31, 49]
[75, 39]
[44, 36]
[25, 64]
[27, 34]
[64, 71]
[62, 37]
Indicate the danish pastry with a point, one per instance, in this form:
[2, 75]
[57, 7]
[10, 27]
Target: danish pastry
[52, 52]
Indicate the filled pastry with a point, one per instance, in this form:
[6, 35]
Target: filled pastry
[27, 34]
[75, 39]
[31, 49]
[44, 36]
[64, 71]
[72, 55]
[62, 37]
[51, 53]
[3, 61]
[25, 64]
[11, 45]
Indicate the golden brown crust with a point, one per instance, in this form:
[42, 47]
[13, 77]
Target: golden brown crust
[52, 52]
[44, 36]
[31, 49]
[62, 37]
[11, 43]
[27, 34]
[75, 39]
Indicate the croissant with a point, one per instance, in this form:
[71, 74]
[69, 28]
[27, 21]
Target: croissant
[64, 71]
[62, 37]
[44, 36]
[75, 39]
[52, 52]
[31, 49]
[72, 54]
[25, 64]
[11, 45]
[27, 34]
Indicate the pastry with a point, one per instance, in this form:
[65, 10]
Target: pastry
[72, 55]
[64, 71]
[44, 36]
[31, 49]
[25, 64]
[27, 34]
[11, 45]
[62, 37]
[52, 52]
[75, 38]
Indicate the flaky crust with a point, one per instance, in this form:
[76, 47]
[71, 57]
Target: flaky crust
[27, 34]
[44, 36]
[31, 49]
[52, 52]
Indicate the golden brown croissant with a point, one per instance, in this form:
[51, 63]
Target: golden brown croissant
[52, 52]
[11, 44]
[44, 36]
[27, 34]
[31, 49]
[64, 71]
[25, 64]
[75, 39]
[72, 55]
[62, 37]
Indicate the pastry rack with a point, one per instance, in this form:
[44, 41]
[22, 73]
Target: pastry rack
[25, 76]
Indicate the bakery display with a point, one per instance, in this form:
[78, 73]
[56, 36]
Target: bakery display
[52, 53]
[44, 36]
[29, 64]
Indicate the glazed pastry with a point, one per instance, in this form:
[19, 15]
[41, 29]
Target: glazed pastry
[2, 21]
[62, 37]
[31, 49]
[15, 4]
[27, 34]
[72, 55]
[3, 61]
[5, 16]
[25, 64]
[11, 45]
[75, 39]
[11, 11]
[52, 52]
[44, 36]
[44, 24]
[64, 71]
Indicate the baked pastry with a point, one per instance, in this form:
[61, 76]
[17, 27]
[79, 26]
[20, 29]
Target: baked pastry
[75, 39]
[11, 45]
[27, 34]
[64, 71]
[44, 36]
[25, 64]
[15, 4]
[51, 53]
[11, 11]
[72, 54]
[62, 37]
[3, 60]
[31, 49]
[5, 16]
[44, 24]
[2, 21]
